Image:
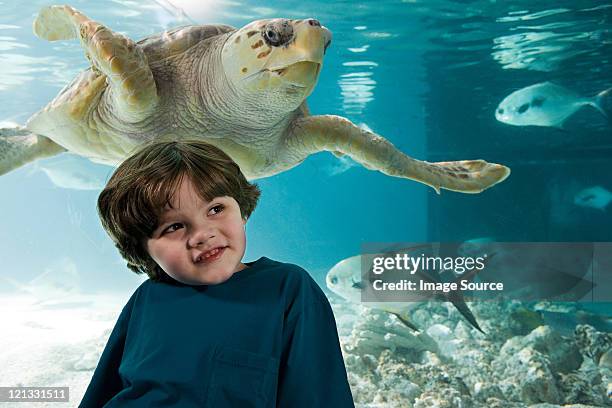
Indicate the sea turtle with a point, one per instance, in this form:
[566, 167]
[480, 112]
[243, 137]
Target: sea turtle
[242, 90]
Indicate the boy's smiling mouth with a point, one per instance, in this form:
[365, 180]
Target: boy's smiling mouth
[210, 255]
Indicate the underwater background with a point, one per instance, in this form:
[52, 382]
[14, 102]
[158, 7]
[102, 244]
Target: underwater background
[426, 75]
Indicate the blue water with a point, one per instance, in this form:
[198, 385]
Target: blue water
[313, 215]
[426, 75]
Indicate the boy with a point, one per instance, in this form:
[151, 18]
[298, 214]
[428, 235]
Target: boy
[206, 329]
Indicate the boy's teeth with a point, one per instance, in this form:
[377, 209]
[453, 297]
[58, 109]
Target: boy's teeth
[211, 253]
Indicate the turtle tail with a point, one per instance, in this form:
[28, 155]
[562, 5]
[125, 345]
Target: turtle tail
[19, 146]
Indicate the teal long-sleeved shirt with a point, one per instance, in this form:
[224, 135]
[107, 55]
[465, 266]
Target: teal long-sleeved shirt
[266, 337]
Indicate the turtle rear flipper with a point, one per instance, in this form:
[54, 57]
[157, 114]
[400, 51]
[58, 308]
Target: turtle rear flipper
[19, 146]
[337, 134]
[133, 93]
[466, 176]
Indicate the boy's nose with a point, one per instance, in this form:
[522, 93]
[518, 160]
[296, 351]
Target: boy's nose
[200, 238]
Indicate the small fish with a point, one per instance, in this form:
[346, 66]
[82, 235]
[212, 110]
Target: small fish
[76, 173]
[527, 319]
[58, 281]
[565, 323]
[475, 246]
[546, 104]
[594, 197]
[345, 280]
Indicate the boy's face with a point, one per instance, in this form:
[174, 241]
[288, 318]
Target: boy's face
[191, 231]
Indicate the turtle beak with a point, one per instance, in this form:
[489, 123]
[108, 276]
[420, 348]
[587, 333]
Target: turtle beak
[309, 44]
[328, 38]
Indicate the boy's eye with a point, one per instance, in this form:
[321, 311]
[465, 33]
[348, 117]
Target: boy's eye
[214, 210]
[169, 229]
[217, 209]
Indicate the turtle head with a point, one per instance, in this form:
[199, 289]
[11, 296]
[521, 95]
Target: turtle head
[277, 60]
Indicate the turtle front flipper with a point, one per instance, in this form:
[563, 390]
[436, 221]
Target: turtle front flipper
[19, 146]
[336, 134]
[133, 92]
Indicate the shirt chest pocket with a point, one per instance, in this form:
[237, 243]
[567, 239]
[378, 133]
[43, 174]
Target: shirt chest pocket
[242, 379]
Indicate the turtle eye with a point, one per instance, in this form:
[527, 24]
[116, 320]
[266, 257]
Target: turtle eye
[272, 37]
[277, 32]
[523, 108]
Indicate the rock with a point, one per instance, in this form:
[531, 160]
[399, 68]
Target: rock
[87, 362]
[592, 343]
[564, 356]
[392, 366]
[537, 383]
[443, 398]
[605, 361]
[440, 332]
[561, 406]
[377, 331]
[447, 343]
[462, 331]
[526, 374]
[421, 317]
[583, 386]
[404, 387]
[502, 403]
[484, 391]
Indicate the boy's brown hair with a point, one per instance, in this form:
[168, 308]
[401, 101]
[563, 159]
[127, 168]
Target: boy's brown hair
[132, 202]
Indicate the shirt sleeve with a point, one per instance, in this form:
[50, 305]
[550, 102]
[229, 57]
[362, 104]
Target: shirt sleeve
[106, 381]
[312, 372]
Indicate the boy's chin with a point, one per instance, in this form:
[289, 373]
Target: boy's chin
[213, 277]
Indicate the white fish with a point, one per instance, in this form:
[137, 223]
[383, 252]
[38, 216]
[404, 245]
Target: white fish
[546, 104]
[344, 279]
[595, 197]
[57, 282]
[475, 246]
[77, 173]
